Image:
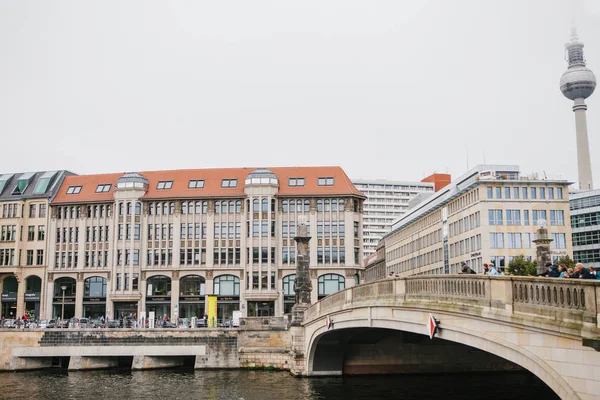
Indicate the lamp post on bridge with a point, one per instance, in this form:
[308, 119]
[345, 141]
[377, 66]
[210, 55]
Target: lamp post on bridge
[542, 244]
[302, 284]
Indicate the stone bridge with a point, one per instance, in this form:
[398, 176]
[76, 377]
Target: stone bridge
[543, 325]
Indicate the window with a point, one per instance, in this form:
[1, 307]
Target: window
[74, 190]
[31, 233]
[513, 217]
[557, 217]
[41, 232]
[327, 181]
[103, 188]
[195, 184]
[515, 193]
[559, 241]
[495, 217]
[542, 193]
[513, 241]
[533, 193]
[507, 193]
[524, 192]
[42, 210]
[498, 192]
[490, 192]
[29, 257]
[537, 215]
[164, 185]
[559, 193]
[226, 285]
[329, 284]
[288, 285]
[296, 182]
[32, 209]
[525, 217]
[229, 183]
[551, 193]
[496, 240]
[39, 257]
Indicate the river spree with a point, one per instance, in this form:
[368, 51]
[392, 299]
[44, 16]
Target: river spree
[262, 385]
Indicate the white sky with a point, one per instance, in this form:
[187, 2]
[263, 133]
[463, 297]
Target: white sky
[386, 89]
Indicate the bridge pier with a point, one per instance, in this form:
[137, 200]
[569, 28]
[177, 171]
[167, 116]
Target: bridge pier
[79, 363]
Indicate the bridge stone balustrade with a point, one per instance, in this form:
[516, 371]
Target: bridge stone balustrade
[536, 323]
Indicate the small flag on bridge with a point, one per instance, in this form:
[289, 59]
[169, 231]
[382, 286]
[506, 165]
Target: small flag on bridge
[432, 326]
[329, 322]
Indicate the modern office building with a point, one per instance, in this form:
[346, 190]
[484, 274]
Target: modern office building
[489, 214]
[162, 241]
[386, 202]
[24, 204]
[585, 224]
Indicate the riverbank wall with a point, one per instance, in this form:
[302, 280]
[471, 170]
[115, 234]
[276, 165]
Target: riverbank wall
[259, 346]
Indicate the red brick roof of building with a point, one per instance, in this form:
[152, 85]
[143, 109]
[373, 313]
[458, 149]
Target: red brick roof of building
[212, 184]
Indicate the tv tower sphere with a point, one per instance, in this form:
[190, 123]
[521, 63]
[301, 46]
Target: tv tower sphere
[578, 81]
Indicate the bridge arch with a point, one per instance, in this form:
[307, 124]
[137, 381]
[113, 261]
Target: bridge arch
[458, 334]
[551, 339]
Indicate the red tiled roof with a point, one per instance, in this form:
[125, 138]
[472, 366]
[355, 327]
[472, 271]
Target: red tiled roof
[212, 184]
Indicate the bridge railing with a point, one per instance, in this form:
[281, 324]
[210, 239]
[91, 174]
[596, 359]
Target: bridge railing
[570, 300]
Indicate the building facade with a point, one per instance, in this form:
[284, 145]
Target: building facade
[386, 202]
[585, 224]
[163, 241]
[489, 214]
[24, 205]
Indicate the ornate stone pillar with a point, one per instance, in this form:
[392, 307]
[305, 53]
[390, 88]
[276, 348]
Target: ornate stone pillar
[302, 284]
[542, 252]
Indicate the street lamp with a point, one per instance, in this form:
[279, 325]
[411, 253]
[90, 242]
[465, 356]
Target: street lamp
[62, 314]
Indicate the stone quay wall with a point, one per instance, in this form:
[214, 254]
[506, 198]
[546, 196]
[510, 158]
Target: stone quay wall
[264, 347]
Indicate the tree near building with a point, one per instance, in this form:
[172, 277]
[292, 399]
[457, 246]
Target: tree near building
[521, 266]
[568, 261]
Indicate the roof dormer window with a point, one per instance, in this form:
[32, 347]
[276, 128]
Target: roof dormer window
[22, 183]
[103, 188]
[74, 189]
[196, 184]
[164, 185]
[292, 182]
[44, 182]
[229, 183]
[325, 181]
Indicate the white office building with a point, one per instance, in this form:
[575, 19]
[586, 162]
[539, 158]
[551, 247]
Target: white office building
[387, 201]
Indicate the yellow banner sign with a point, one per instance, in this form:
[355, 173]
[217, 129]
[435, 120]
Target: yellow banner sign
[212, 311]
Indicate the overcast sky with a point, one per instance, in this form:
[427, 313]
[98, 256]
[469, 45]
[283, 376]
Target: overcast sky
[386, 89]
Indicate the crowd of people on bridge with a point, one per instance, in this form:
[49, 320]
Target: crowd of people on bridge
[552, 271]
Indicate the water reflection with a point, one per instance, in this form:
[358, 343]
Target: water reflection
[258, 385]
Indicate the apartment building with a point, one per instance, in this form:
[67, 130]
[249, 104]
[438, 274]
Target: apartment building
[489, 214]
[387, 201]
[585, 224]
[24, 204]
[162, 241]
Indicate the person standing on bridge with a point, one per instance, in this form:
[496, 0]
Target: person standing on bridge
[493, 270]
[464, 269]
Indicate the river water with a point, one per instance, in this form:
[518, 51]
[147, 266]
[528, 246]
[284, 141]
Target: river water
[263, 385]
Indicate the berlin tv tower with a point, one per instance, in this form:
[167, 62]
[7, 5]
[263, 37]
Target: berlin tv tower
[577, 83]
